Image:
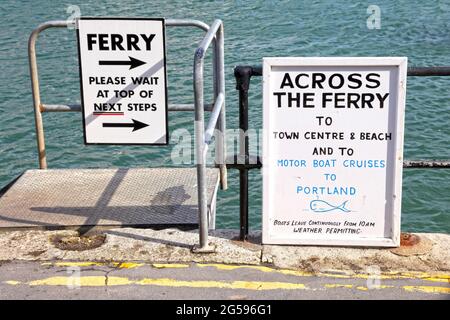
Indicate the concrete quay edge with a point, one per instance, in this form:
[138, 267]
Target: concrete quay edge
[171, 246]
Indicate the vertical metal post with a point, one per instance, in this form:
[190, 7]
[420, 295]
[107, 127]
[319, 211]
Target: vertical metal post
[37, 100]
[35, 86]
[243, 75]
[243, 173]
[200, 145]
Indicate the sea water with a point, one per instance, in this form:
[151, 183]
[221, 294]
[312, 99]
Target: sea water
[254, 29]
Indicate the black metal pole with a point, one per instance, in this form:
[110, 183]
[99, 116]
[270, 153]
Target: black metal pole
[243, 74]
[243, 173]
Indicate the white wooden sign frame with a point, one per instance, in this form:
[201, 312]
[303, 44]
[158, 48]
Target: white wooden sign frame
[394, 165]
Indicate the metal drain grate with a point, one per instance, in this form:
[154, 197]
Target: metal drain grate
[105, 197]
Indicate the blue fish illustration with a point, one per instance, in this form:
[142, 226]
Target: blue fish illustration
[323, 206]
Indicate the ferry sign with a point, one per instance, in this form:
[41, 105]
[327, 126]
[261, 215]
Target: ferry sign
[123, 80]
[333, 150]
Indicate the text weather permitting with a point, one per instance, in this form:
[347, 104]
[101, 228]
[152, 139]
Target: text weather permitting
[333, 150]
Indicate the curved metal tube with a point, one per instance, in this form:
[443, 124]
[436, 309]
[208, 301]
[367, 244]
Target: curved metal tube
[35, 87]
[187, 23]
[200, 133]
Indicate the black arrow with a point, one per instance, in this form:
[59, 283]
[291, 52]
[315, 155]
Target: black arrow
[136, 125]
[133, 63]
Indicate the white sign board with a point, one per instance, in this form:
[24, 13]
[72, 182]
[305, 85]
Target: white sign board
[333, 150]
[123, 80]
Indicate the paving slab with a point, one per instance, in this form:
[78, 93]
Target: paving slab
[130, 244]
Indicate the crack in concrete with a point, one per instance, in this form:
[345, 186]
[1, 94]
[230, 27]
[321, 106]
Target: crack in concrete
[113, 267]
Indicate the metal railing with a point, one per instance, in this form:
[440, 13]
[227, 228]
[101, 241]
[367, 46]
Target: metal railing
[203, 137]
[243, 75]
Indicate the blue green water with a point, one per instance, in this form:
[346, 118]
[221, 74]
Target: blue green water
[419, 30]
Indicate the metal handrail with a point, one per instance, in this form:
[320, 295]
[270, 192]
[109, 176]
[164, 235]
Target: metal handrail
[77, 107]
[214, 35]
[39, 107]
[217, 120]
[215, 113]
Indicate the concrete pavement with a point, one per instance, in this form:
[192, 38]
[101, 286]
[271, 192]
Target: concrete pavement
[432, 254]
[159, 264]
[134, 280]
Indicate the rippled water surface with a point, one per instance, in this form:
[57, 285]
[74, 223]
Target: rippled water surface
[419, 30]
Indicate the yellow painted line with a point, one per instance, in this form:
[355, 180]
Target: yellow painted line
[129, 265]
[375, 287]
[117, 281]
[311, 274]
[382, 287]
[99, 281]
[93, 281]
[74, 264]
[346, 275]
[170, 265]
[362, 288]
[427, 289]
[445, 278]
[437, 279]
[121, 265]
[407, 275]
[350, 286]
[227, 267]
[247, 285]
[337, 285]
